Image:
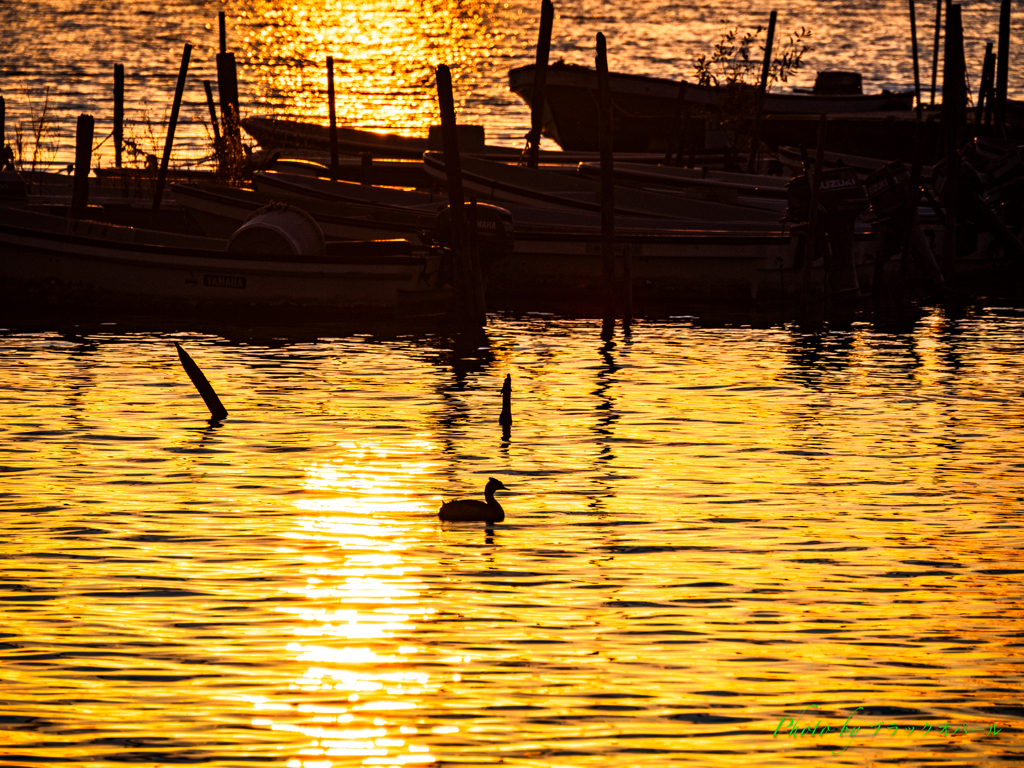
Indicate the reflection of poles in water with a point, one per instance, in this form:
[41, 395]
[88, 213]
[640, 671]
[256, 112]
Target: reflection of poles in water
[83, 350]
[603, 427]
[217, 409]
[470, 352]
[205, 433]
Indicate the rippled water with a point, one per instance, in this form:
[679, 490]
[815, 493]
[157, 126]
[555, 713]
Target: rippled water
[385, 51]
[710, 530]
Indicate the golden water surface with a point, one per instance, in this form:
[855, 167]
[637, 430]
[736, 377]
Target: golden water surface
[710, 530]
[57, 57]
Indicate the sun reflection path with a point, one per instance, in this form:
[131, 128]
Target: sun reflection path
[359, 679]
[386, 52]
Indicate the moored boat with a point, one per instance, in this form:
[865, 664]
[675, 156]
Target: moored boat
[535, 186]
[273, 133]
[644, 108]
[54, 259]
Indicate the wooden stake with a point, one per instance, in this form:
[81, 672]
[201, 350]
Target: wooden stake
[333, 118]
[915, 165]
[217, 410]
[1003, 66]
[505, 419]
[952, 97]
[540, 79]
[468, 282]
[811, 245]
[607, 185]
[227, 88]
[6, 154]
[935, 55]
[990, 94]
[365, 168]
[917, 70]
[985, 89]
[213, 121]
[175, 107]
[755, 137]
[118, 113]
[677, 137]
[83, 159]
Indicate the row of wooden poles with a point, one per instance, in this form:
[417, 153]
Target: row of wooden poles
[995, 68]
[468, 280]
[955, 132]
[227, 145]
[992, 96]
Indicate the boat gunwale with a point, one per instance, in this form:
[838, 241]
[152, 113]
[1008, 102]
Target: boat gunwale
[183, 257]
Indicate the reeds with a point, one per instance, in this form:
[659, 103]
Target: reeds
[36, 145]
[37, 142]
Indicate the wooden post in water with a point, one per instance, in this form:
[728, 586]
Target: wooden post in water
[984, 105]
[227, 88]
[83, 159]
[678, 136]
[960, 63]
[811, 244]
[118, 113]
[1002, 66]
[333, 118]
[604, 133]
[935, 54]
[952, 106]
[468, 281]
[755, 136]
[217, 148]
[175, 107]
[4, 157]
[540, 79]
[472, 228]
[365, 168]
[202, 384]
[505, 419]
[917, 69]
[990, 96]
[915, 165]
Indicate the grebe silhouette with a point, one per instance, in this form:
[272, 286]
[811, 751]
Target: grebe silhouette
[471, 510]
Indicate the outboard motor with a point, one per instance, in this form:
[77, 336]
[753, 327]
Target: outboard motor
[894, 199]
[841, 198]
[976, 198]
[495, 232]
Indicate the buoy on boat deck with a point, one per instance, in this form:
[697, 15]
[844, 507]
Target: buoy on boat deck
[279, 229]
[217, 410]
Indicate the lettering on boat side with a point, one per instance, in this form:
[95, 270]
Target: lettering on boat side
[878, 186]
[223, 281]
[789, 726]
[837, 183]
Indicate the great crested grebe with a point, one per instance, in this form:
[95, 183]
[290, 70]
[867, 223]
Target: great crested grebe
[471, 510]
